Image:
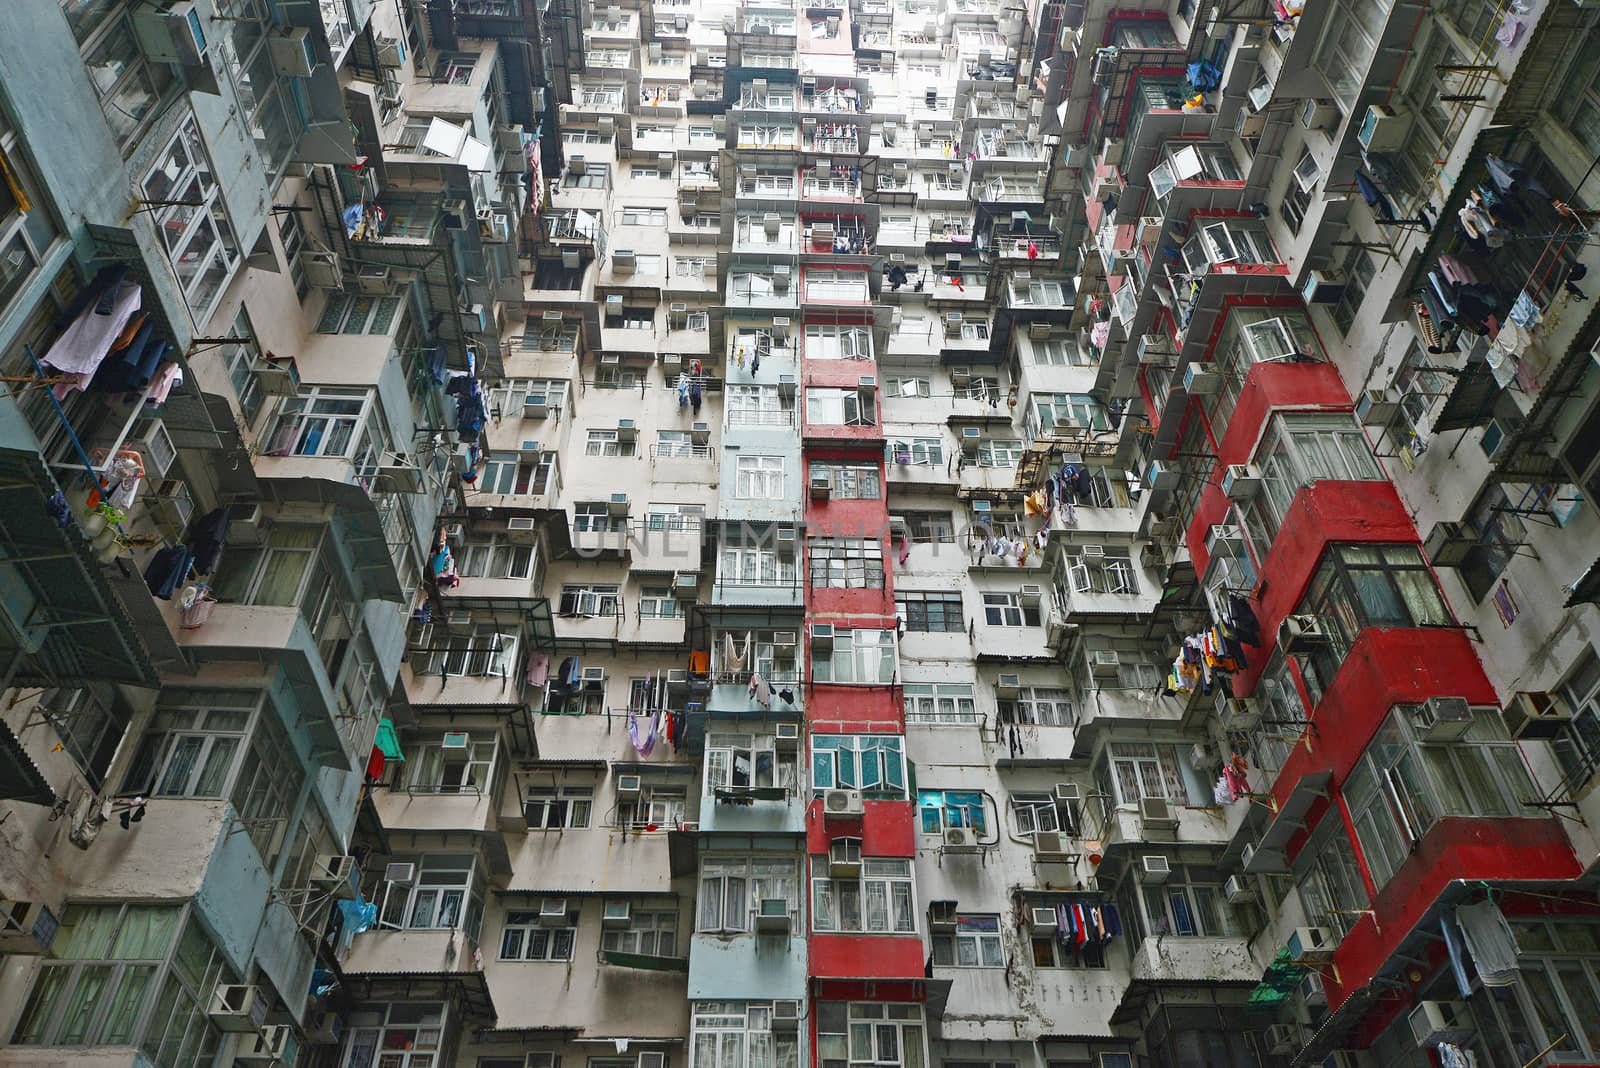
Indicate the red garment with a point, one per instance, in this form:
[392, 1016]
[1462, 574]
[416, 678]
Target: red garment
[1080, 924]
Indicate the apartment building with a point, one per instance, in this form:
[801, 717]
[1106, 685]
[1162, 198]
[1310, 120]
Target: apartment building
[753, 534]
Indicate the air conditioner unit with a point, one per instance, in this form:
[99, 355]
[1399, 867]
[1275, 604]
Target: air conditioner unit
[1053, 847]
[1042, 919]
[618, 503]
[952, 324]
[1202, 379]
[1031, 594]
[1532, 714]
[786, 737]
[821, 488]
[1433, 1022]
[785, 639]
[336, 873]
[1067, 793]
[822, 637]
[867, 383]
[1449, 544]
[400, 873]
[522, 530]
[1007, 686]
[960, 838]
[785, 1018]
[1318, 114]
[1242, 714]
[1311, 991]
[773, 916]
[1238, 890]
[686, 587]
[27, 928]
[391, 51]
[325, 1027]
[971, 438]
[577, 164]
[1157, 812]
[1301, 634]
[1259, 860]
[239, 1009]
[1383, 129]
[1241, 482]
[1378, 407]
[592, 676]
[616, 914]
[1154, 868]
[844, 857]
[456, 741]
[293, 51]
[786, 539]
[842, 804]
[623, 261]
[652, 1059]
[1247, 123]
[1442, 719]
[1312, 945]
[1283, 1039]
[942, 915]
[172, 32]
[1105, 663]
[553, 912]
[1323, 287]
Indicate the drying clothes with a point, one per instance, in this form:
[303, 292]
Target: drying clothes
[695, 397]
[683, 391]
[760, 690]
[166, 571]
[1220, 792]
[1453, 948]
[1238, 785]
[733, 658]
[206, 539]
[84, 345]
[170, 376]
[1489, 940]
[538, 668]
[1374, 196]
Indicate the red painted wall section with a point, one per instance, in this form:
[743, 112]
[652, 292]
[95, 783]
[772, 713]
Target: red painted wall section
[1386, 667]
[886, 829]
[1321, 514]
[855, 709]
[1270, 386]
[1455, 848]
[914, 990]
[866, 956]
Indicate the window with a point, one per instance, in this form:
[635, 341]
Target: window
[845, 563]
[596, 518]
[1347, 45]
[591, 599]
[197, 236]
[553, 808]
[732, 889]
[647, 216]
[658, 807]
[737, 762]
[1009, 610]
[890, 1036]
[609, 443]
[524, 938]
[109, 963]
[1052, 949]
[827, 342]
[482, 652]
[756, 406]
[882, 901]
[841, 407]
[506, 476]
[495, 558]
[358, 314]
[944, 703]
[396, 1035]
[1066, 410]
[692, 266]
[907, 386]
[759, 478]
[1298, 450]
[447, 894]
[1060, 352]
[1040, 707]
[242, 357]
[754, 561]
[859, 762]
[999, 452]
[929, 526]
[455, 68]
[941, 810]
[657, 602]
[651, 933]
[584, 137]
[1190, 904]
[823, 284]
[1146, 769]
[1402, 786]
[1360, 586]
[130, 89]
[1579, 107]
[26, 237]
[89, 729]
[1040, 813]
[1578, 749]
[1330, 883]
[931, 612]
[975, 943]
[738, 1034]
[919, 452]
[1359, 271]
[595, 176]
[865, 657]
[1108, 570]
[850, 481]
[1298, 194]
[457, 764]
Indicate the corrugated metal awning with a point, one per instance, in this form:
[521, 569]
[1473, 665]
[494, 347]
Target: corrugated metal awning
[20, 778]
[1472, 400]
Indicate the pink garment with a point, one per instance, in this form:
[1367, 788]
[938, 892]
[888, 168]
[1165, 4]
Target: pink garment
[1238, 785]
[538, 668]
[170, 375]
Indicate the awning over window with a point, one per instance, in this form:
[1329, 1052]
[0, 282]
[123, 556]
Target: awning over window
[388, 741]
[20, 777]
[1472, 401]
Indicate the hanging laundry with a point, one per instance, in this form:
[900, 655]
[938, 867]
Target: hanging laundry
[760, 690]
[167, 570]
[1489, 940]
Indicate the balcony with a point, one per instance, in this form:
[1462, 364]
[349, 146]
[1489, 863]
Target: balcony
[839, 186]
[833, 137]
[1173, 959]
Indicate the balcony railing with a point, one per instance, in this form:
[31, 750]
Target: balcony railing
[763, 417]
[833, 188]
